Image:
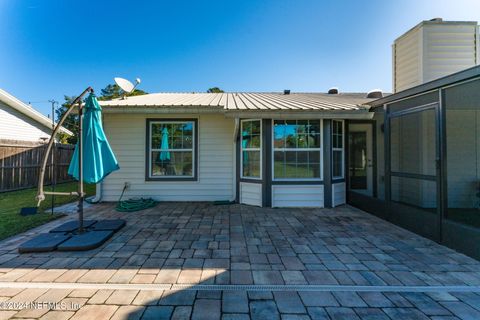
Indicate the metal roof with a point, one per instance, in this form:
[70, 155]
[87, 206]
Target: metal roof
[249, 101]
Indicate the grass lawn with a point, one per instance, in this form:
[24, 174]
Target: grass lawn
[11, 222]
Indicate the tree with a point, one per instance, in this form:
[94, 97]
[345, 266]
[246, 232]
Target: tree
[215, 90]
[70, 122]
[111, 91]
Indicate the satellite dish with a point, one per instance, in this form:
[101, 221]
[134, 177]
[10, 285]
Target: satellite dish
[126, 85]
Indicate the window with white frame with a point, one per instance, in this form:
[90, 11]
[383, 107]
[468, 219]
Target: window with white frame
[338, 149]
[297, 150]
[171, 149]
[251, 149]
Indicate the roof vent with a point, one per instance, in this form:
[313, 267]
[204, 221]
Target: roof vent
[286, 91]
[375, 94]
[333, 90]
[436, 20]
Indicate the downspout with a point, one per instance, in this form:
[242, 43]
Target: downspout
[98, 193]
[234, 171]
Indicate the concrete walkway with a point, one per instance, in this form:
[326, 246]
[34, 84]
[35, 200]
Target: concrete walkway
[200, 261]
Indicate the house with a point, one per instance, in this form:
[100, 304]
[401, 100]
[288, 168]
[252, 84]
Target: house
[23, 133]
[264, 149]
[21, 122]
[412, 157]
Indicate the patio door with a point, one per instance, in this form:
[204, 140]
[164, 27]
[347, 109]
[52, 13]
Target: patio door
[360, 159]
[413, 166]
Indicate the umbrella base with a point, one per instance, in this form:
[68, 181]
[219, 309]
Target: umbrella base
[44, 242]
[87, 240]
[96, 233]
[72, 226]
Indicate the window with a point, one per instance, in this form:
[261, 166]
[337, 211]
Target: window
[171, 153]
[297, 146]
[251, 146]
[338, 148]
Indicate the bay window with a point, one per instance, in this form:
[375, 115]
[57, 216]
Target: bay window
[251, 149]
[297, 150]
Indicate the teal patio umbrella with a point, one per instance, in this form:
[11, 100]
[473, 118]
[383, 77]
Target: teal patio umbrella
[98, 159]
[164, 155]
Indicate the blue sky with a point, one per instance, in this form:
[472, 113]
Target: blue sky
[51, 48]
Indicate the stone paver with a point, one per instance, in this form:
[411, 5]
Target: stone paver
[199, 243]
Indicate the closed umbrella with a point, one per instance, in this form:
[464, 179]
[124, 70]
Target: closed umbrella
[98, 158]
[164, 154]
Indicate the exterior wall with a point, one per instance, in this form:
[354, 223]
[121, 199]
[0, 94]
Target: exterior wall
[432, 50]
[339, 194]
[448, 48]
[16, 126]
[406, 61]
[297, 196]
[251, 193]
[127, 137]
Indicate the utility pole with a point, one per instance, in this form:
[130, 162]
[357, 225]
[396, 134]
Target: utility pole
[52, 156]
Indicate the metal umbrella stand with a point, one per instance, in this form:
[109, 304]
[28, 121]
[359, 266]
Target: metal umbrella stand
[73, 235]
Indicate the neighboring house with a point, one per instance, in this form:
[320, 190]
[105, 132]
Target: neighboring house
[263, 149]
[19, 121]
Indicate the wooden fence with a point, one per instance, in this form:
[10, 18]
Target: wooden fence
[20, 163]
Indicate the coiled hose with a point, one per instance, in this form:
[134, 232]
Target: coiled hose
[132, 205]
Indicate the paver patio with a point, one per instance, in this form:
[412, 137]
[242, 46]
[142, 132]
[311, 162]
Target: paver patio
[200, 261]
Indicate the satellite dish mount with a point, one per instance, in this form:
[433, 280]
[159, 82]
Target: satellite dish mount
[126, 85]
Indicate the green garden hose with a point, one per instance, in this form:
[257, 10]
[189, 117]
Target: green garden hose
[135, 204]
[132, 205]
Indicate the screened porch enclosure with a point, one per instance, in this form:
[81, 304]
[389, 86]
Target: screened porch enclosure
[427, 164]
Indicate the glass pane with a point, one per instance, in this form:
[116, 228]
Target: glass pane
[302, 141]
[254, 142]
[172, 163]
[246, 127]
[255, 126]
[290, 134]
[337, 164]
[412, 143]
[314, 140]
[279, 134]
[279, 164]
[314, 126]
[463, 152]
[358, 160]
[290, 164]
[415, 192]
[251, 164]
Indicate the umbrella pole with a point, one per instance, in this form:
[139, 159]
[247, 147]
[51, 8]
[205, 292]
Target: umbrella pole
[80, 169]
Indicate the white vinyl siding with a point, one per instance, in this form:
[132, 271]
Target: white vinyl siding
[338, 194]
[251, 193]
[448, 49]
[407, 51]
[16, 126]
[297, 196]
[127, 134]
[433, 50]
